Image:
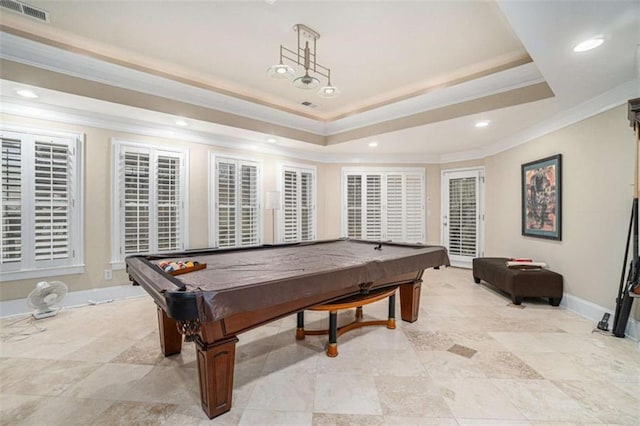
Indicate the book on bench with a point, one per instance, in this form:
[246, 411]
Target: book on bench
[525, 264]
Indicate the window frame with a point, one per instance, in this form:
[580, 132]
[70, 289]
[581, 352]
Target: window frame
[118, 146]
[29, 268]
[298, 168]
[383, 172]
[213, 199]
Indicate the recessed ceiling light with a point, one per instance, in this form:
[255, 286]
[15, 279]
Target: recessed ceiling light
[373, 144]
[483, 123]
[589, 44]
[26, 93]
[272, 140]
[181, 123]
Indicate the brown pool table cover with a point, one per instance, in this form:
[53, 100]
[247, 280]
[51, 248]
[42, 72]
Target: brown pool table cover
[245, 280]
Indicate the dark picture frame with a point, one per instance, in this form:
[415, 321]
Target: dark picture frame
[542, 198]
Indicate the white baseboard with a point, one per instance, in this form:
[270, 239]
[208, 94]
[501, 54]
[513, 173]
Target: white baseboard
[12, 308]
[595, 312]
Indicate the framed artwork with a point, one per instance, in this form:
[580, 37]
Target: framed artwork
[542, 198]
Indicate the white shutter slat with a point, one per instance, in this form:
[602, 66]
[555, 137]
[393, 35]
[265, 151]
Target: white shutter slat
[414, 202]
[168, 202]
[306, 206]
[290, 206]
[11, 210]
[354, 206]
[136, 197]
[395, 208]
[373, 226]
[52, 179]
[226, 203]
[249, 228]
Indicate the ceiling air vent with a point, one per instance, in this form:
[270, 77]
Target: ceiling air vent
[25, 9]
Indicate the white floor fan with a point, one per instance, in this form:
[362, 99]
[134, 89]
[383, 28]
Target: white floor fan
[45, 297]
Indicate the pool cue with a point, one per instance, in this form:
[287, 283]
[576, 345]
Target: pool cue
[624, 269]
[625, 301]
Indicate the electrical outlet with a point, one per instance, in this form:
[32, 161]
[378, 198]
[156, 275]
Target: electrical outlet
[108, 274]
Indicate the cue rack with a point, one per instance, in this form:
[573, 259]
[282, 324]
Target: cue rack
[631, 288]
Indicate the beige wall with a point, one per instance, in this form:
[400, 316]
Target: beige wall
[597, 177]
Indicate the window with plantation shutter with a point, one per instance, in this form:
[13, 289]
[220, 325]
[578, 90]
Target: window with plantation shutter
[297, 218]
[149, 200]
[384, 204]
[236, 202]
[40, 205]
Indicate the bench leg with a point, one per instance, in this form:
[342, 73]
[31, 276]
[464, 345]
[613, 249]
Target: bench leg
[359, 313]
[391, 321]
[300, 328]
[517, 300]
[332, 349]
[476, 280]
[555, 301]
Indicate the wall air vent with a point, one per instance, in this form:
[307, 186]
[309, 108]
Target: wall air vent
[25, 9]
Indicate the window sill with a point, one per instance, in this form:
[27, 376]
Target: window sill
[41, 273]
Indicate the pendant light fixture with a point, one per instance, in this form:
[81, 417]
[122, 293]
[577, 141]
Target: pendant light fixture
[305, 56]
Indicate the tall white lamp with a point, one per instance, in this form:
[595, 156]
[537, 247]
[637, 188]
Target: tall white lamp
[274, 203]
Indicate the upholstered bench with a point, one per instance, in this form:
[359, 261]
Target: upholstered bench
[519, 283]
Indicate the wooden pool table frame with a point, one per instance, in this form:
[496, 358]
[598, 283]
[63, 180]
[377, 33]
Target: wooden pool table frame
[216, 340]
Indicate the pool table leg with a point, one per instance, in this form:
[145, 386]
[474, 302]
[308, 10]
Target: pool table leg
[170, 337]
[410, 301]
[216, 363]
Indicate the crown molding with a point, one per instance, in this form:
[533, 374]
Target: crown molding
[604, 102]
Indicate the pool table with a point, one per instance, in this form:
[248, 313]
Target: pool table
[243, 288]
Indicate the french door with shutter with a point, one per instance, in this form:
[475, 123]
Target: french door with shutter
[383, 205]
[463, 215]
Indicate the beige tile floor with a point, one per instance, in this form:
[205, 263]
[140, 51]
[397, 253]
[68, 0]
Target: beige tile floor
[472, 358]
